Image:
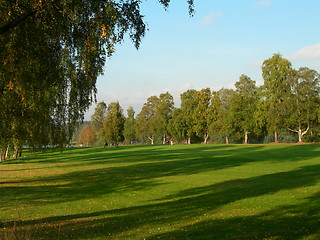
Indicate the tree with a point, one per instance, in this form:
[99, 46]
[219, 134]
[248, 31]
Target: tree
[164, 108]
[114, 123]
[177, 126]
[146, 119]
[86, 136]
[52, 53]
[202, 116]
[276, 72]
[221, 113]
[302, 102]
[188, 106]
[243, 106]
[97, 121]
[129, 130]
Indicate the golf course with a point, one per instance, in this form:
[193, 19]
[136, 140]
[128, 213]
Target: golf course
[163, 192]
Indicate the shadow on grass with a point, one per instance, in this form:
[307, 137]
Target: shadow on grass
[131, 169]
[185, 212]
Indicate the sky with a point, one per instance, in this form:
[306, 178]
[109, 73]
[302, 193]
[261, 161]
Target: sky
[223, 40]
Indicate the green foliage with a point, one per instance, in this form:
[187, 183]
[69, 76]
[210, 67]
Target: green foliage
[222, 123]
[97, 122]
[177, 126]
[164, 110]
[51, 55]
[130, 124]
[114, 123]
[146, 119]
[163, 192]
[303, 99]
[202, 114]
[243, 105]
[154, 117]
[188, 106]
[277, 73]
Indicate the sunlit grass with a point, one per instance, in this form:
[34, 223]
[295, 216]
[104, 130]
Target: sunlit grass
[166, 192]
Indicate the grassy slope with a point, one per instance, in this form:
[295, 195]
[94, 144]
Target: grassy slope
[166, 192]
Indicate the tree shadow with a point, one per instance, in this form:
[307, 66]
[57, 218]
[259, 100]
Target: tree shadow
[281, 222]
[133, 170]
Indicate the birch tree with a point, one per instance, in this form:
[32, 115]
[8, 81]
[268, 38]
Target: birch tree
[114, 123]
[303, 102]
[52, 53]
[146, 119]
[276, 72]
[188, 106]
[130, 124]
[97, 121]
[243, 106]
[164, 108]
[202, 114]
[222, 115]
[177, 125]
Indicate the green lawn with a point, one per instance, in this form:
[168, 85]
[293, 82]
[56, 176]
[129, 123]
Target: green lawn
[163, 192]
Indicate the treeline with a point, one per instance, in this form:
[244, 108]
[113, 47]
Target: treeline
[284, 109]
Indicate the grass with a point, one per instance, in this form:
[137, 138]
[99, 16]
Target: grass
[163, 192]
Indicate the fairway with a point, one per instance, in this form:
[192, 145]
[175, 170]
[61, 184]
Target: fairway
[163, 192]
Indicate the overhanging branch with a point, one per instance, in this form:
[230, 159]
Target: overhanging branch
[7, 27]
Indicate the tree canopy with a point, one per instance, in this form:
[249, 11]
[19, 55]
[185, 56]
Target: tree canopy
[285, 108]
[51, 55]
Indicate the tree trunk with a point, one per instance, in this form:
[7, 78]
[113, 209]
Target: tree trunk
[227, 140]
[15, 153]
[276, 140]
[7, 153]
[164, 140]
[206, 136]
[151, 140]
[246, 137]
[2, 155]
[189, 140]
[300, 133]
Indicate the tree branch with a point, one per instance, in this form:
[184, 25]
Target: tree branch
[16, 21]
[10, 25]
[303, 133]
[292, 130]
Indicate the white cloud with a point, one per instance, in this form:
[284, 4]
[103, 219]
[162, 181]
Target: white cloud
[263, 3]
[308, 52]
[210, 18]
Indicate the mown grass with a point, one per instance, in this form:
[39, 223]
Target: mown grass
[163, 192]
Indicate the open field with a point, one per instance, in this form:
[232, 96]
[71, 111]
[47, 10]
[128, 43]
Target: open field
[163, 192]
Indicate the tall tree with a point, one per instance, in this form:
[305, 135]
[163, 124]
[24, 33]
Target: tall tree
[188, 106]
[164, 108]
[243, 106]
[146, 119]
[221, 113]
[97, 121]
[114, 123]
[52, 53]
[129, 130]
[202, 114]
[277, 72]
[177, 125]
[303, 102]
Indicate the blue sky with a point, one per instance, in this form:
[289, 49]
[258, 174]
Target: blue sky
[224, 39]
